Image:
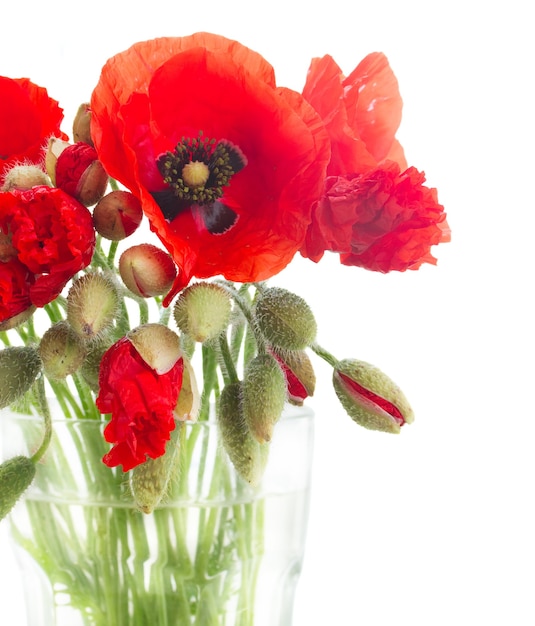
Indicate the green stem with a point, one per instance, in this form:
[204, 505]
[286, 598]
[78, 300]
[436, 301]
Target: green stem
[324, 354]
[45, 412]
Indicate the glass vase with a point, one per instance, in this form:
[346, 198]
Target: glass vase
[216, 552]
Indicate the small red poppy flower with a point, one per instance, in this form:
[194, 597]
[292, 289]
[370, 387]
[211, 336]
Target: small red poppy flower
[141, 402]
[15, 285]
[52, 234]
[361, 112]
[384, 220]
[29, 117]
[227, 165]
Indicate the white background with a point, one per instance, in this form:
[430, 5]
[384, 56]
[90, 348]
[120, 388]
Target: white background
[435, 526]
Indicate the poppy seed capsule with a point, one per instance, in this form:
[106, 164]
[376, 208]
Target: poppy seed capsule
[16, 475]
[247, 455]
[19, 367]
[117, 215]
[202, 311]
[264, 395]
[61, 350]
[147, 270]
[370, 397]
[92, 305]
[285, 319]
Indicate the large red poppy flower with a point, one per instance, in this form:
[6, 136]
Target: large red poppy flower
[141, 404]
[361, 112]
[383, 220]
[261, 153]
[29, 117]
[51, 234]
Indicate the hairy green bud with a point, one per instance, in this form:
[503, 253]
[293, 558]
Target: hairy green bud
[248, 456]
[150, 480]
[264, 394]
[16, 476]
[202, 311]
[285, 319]
[370, 397]
[62, 351]
[92, 305]
[19, 367]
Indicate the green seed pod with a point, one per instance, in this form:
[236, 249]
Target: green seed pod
[16, 476]
[264, 394]
[19, 367]
[150, 480]
[285, 319]
[247, 455]
[62, 351]
[92, 305]
[370, 397]
[202, 311]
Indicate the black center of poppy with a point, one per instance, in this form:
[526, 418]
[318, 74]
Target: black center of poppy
[197, 171]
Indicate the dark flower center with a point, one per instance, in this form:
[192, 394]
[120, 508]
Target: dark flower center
[197, 171]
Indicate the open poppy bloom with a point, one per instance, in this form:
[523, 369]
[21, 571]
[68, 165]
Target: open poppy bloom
[50, 233]
[31, 117]
[227, 165]
[374, 211]
[361, 112]
[15, 284]
[141, 402]
[384, 220]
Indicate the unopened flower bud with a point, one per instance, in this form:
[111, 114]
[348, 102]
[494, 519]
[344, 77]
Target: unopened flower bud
[24, 177]
[91, 364]
[16, 475]
[157, 345]
[202, 311]
[81, 127]
[189, 398]
[149, 480]
[80, 174]
[55, 148]
[248, 456]
[370, 397]
[285, 319]
[19, 367]
[62, 351]
[117, 215]
[147, 270]
[264, 394]
[92, 304]
[299, 373]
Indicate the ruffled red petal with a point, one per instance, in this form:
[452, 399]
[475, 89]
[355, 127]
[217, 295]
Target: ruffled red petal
[141, 404]
[31, 117]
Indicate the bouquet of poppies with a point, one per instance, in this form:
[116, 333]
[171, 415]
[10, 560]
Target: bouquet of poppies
[235, 175]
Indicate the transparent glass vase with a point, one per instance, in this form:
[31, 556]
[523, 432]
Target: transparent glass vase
[216, 552]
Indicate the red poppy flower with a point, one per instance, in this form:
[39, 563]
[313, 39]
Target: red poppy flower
[52, 234]
[15, 284]
[383, 220]
[30, 117]
[361, 112]
[243, 208]
[141, 404]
